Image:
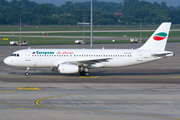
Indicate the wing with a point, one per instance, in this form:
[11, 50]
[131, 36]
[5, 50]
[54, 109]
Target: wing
[87, 62]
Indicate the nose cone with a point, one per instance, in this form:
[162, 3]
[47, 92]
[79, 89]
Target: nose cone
[7, 61]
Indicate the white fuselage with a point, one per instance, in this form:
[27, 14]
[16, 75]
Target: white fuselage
[53, 57]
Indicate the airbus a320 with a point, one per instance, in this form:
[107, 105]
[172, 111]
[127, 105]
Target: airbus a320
[81, 60]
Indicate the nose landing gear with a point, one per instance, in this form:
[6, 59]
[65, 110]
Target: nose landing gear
[27, 71]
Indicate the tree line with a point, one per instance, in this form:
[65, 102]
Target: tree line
[103, 13]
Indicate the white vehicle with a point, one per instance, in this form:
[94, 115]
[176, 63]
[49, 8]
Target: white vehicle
[23, 43]
[78, 41]
[134, 40]
[14, 43]
[81, 60]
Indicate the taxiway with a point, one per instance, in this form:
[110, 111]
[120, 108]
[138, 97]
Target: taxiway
[149, 91]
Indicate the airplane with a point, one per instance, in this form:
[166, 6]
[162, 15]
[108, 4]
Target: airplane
[68, 61]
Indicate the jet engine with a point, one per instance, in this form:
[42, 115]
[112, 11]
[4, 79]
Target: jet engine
[66, 68]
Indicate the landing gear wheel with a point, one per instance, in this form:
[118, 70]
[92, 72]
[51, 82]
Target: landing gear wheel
[87, 74]
[84, 73]
[27, 71]
[26, 74]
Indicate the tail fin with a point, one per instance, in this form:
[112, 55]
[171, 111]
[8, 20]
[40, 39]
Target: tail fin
[158, 39]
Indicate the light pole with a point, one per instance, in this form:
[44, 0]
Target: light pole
[91, 27]
[20, 30]
[83, 26]
[141, 30]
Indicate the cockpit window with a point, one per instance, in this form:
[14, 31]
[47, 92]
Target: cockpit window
[15, 55]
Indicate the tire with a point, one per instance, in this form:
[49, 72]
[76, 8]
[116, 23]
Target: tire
[82, 73]
[26, 74]
[87, 74]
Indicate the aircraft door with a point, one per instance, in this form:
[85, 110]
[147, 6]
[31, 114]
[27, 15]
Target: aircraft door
[139, 56]
[27, 56]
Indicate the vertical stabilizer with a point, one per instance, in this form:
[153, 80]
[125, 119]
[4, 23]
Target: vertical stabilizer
[158, 39]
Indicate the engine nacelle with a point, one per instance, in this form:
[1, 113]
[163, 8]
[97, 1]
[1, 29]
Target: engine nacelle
[66, 68]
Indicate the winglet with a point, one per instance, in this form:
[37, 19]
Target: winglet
[158, 39]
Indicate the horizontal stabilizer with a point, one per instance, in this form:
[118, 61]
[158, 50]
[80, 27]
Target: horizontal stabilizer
[163, 54]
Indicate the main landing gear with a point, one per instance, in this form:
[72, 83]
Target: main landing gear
[84, 72]
[27, 72]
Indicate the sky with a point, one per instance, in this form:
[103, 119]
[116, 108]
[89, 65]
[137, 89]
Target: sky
[174, 3]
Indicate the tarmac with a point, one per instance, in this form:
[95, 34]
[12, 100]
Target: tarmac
[148, 91]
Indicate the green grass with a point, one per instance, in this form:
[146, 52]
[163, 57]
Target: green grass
[172, 34]
[49, 40]
[35, 42]
[75, 27]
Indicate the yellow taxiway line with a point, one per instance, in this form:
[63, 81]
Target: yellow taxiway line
[37, 102]
[89, 76]
[18, 108]
[175, 77]
[9, 91]
[28, 88]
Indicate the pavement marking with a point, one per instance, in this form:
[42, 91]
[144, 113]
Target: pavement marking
[175, 77]
[2, 58]
[18, 108]
[37, 102]
[28, 88]
[8, 91]
[89, 76]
